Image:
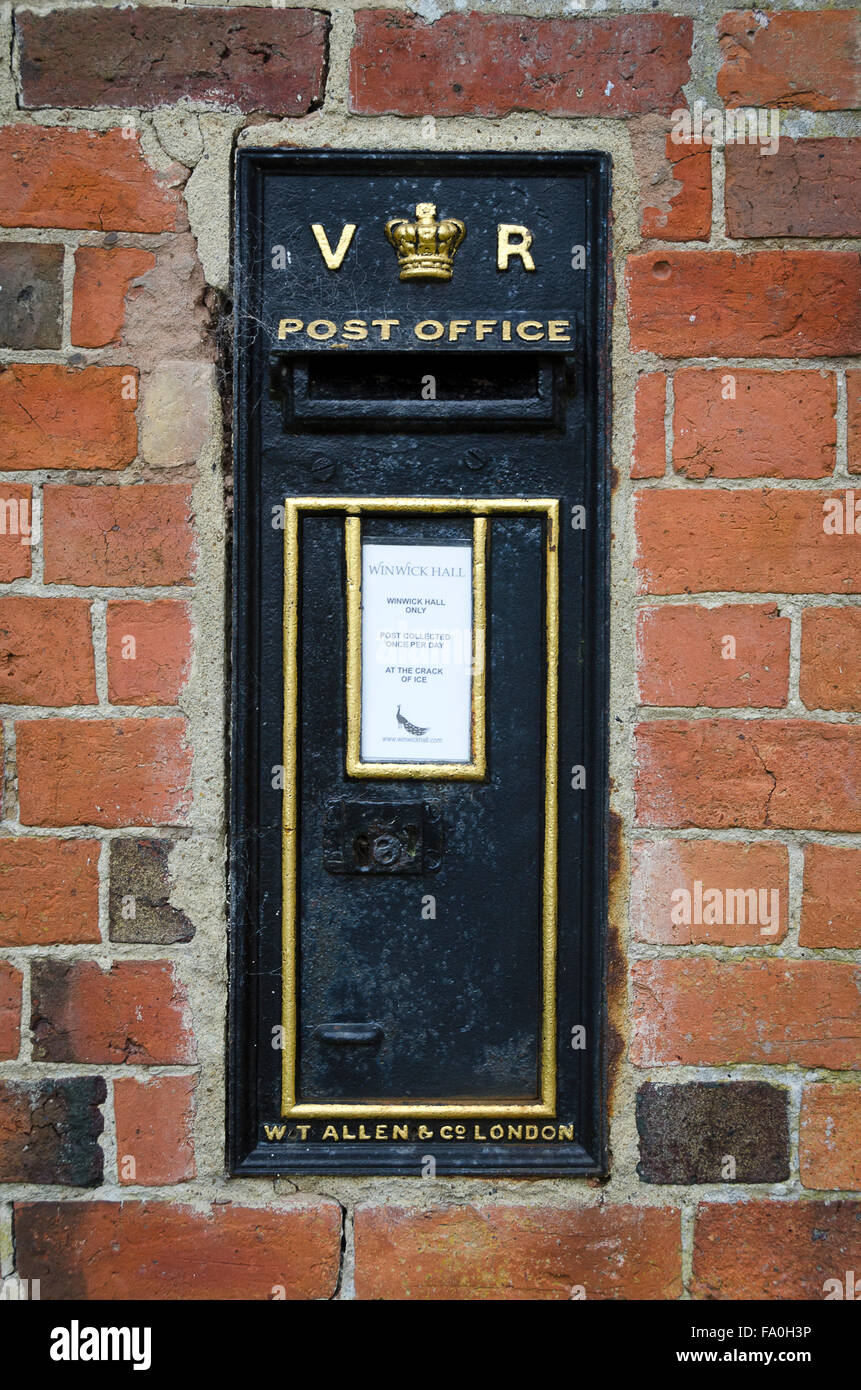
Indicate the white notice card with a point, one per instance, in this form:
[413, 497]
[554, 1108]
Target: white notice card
[416, 653]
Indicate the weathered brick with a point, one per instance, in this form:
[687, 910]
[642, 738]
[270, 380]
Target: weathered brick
[140, 534]
[46, 652]
[774, 1250]
[649, 458]
[803, 188]
[830, 1143]
[49, 1130]
[790, 59]
[794, 774]
[763, 304]
[11, 981]
[831, 658]
[16, 519]
[489, 65]
[699, 1011]
[51, 176]
[149, 651]
[108, 772]
[135, 1014]
[31, 295]
[664, 868]
[687, 214]
[687, 1133]
[733, 656]
[55, 417]
[49, 891]
[517, 1252]
[853, 411]
[158, 1250]
[246, 58]
[771, 541]
[737, 423]
[103, 282]
[139, 907]
[176, 413]
[155, 1130]
[831, 903]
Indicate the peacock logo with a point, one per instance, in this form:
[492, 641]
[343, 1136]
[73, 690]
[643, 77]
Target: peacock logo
[410, 728]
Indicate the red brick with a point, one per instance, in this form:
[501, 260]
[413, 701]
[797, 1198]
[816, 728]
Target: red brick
[750, 542]
[158, 1250]
[738, 423]
[831, 904]
[830, 1147]
[155, 1130]
[687, 215]
[109, 772]
[490, 65]
[517, 1252]
[49, 1130]
[31, 295]
[16, 500]
[649, 458]
[10, 1009]
[763, 304]
[54, 417]
[140, 534]
[49, 891]
[134, 1014]
[774, 1250]
[853, 404]
[51, 176]
[46, 652]
[831, 658]
[803, 188]
[661, 867]
[683, 658]
[243, 57]
[697, 1011]
[786, 59]
[793, 774]
[155, 669]
[103, 281]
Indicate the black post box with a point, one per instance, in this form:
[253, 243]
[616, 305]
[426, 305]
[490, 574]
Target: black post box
[420, 610]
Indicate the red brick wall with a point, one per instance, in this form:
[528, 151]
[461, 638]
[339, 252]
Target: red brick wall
[736, 1106]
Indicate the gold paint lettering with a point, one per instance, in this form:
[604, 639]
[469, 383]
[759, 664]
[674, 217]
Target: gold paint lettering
[483, 327]
[506, 330]
[521, 330]
[548, 1132]
[355, 330]
[478, 1134]
[303, 1131]
[555, 331]
[496, 1131]
[460, 1131]
[334, 258]
[445, 1132]
[436, 330]
[381, 1132]
[567, 1132]
[345, 1133]
[400, 1132]
[321, 329]
[425, 1133]
[274, 1131]
[330, 1132]
[531, 1132]
[506, 247]
[515, 1131]
[457, 327]
[362, 1133]
[288, 326]
[385, 326]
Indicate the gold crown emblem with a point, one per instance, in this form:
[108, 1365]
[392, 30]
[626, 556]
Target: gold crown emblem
[425, 247]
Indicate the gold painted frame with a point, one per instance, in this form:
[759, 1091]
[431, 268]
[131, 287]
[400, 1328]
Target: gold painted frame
[481, 509]
[476, 768]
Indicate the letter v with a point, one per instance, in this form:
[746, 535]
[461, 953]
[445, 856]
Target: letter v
[334, 258]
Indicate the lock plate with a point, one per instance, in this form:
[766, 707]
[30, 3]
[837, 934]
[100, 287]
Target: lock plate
[382, 837]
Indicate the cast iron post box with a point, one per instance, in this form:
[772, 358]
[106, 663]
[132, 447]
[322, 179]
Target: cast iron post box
[420, 610]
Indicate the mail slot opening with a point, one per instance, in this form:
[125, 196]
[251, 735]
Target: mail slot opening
[423, 389]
